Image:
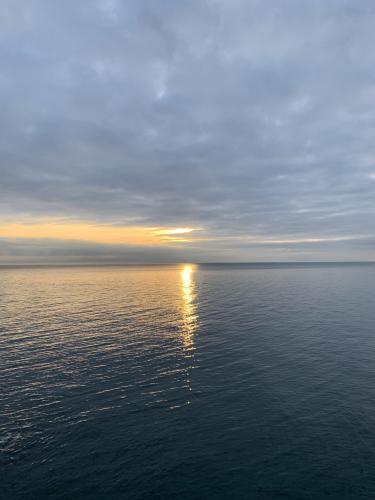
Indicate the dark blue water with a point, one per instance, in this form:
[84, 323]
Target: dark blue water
[211, 382]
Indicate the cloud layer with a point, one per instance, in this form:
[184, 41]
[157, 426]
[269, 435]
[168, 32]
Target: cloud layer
[252, 120]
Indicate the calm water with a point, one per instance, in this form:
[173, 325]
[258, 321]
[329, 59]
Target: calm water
[213, 382]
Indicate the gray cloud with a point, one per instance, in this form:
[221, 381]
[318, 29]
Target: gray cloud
[247, 118]
[40, 251]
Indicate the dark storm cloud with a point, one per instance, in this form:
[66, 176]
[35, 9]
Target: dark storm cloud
[242, 117]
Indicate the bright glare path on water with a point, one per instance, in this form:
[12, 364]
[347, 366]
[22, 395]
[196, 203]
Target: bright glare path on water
[187, 382]
[189, 317]
[189, 308]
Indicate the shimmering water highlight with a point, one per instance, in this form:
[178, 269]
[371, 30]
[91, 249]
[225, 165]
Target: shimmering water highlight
[188, 382]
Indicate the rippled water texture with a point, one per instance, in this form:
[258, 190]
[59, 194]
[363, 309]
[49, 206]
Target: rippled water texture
[184, 382]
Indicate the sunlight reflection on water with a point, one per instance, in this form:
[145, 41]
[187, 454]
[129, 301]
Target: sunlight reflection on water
[189, 319]
[188, 374]
[189, 308]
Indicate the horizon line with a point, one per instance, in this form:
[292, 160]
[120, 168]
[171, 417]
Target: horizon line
[211, 263]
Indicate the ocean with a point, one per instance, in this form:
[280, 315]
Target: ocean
[188, 382]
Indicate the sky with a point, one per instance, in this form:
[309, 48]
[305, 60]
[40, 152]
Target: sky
[187, 131]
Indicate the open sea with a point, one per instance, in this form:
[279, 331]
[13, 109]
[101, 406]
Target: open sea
[188, 382]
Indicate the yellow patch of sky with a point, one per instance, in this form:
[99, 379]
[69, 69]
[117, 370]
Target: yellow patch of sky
[107, 234]
[136, 235]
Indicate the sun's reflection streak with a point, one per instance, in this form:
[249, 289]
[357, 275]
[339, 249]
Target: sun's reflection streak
[189, 308]
[189, 317]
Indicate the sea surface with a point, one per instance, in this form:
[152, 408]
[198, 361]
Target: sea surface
[187, 382]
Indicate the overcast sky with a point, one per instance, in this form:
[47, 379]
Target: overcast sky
[250, 121]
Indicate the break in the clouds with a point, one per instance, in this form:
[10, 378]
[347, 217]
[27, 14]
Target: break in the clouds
[251, 121]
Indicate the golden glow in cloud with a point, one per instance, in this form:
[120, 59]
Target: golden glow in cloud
[174, 234]
[177, 230]
[138, 235]
[106, 234]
